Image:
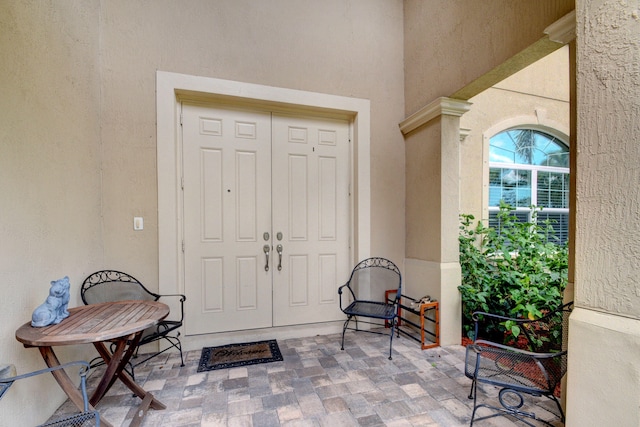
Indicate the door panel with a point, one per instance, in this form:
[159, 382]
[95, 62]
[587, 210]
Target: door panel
[298, 273]
[212, 280]
[211, 186]
[298, 206]
[327, 193]
[311, 209]
[227, 205]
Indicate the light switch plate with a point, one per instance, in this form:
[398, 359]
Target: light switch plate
[138, 223]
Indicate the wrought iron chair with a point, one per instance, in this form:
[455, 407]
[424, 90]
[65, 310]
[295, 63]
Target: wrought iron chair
[533, 363]
[374, 273]
[85, 418]
[111, 285]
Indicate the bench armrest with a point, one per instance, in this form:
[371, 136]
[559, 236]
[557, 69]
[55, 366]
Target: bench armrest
[182, 297]
[346, 285]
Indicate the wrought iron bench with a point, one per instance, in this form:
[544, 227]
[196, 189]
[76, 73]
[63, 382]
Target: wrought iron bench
[85, 418]
[533, 363]
[112, 285]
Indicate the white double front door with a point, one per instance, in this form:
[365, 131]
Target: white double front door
[266, 218]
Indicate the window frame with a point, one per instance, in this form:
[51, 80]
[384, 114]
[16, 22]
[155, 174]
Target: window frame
[533, 170]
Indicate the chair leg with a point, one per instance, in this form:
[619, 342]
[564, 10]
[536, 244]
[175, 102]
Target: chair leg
[555, 399]
[344, 329]
[393, 322]
[132, 374]
[178, 345]
[472, 390]
[508, 408]
[181, 357]
[174, 344]
[473, 395]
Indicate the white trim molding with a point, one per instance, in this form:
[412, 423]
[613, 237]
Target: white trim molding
[563, 30]
[172, 88]
[464, 133]
[438, 107]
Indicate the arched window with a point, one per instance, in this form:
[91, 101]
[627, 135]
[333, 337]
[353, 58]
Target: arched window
[529, 167]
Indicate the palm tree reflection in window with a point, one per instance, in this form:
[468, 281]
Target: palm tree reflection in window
[530, 167]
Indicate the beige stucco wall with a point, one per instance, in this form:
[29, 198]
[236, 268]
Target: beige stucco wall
[604, 338]
[348, 48]
[535, 97]
[449, 45]
[50, 182]
[431, 264]
[77, 139]
[451, 51]
[608, 67]
[78, 131]
[343, 48]
[423, 193]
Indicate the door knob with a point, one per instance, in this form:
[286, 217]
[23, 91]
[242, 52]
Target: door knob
[266, 249]
[279, 249]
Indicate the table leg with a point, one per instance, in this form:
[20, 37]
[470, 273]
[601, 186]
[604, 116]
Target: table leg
[139, 391]
[65, 382]
[116, 363]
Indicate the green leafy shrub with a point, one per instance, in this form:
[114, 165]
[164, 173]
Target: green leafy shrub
[517, 271]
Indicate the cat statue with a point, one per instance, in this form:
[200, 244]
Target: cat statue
[54, 309]
[424, 300]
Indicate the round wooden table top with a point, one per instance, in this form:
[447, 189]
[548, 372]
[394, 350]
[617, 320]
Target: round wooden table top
[96, 323]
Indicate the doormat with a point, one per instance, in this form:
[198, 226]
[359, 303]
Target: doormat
[233, 355]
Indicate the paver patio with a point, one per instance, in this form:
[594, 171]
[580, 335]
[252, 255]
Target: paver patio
[316, 384]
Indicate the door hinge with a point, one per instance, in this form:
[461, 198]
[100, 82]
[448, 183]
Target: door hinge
[183, 246]
[180, 117]
[182, 182]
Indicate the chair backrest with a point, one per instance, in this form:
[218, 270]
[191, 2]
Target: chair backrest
[8, 377]
[376, 273]
[547, 334]
[6, 371]
[111, 285]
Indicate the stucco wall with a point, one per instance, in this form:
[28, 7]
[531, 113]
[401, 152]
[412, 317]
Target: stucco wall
[608, 158]
[449, 44]
[349, 48]
[49, 177]
[604, 369]
[537, 96]
[423, 193]
[456, 49]
[449, 49]
[78, 133]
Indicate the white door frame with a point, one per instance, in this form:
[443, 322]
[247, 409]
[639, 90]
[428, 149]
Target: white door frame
[171, 88]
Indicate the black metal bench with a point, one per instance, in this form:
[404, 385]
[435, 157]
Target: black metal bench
[532, 364]
[112, 285]
[371, 273]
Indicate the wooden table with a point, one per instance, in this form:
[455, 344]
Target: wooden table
[120, 322]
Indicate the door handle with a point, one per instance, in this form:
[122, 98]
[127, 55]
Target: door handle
[279, 249]
[265, 248]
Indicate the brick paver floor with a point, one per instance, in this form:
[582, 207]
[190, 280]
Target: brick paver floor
[316, 384]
